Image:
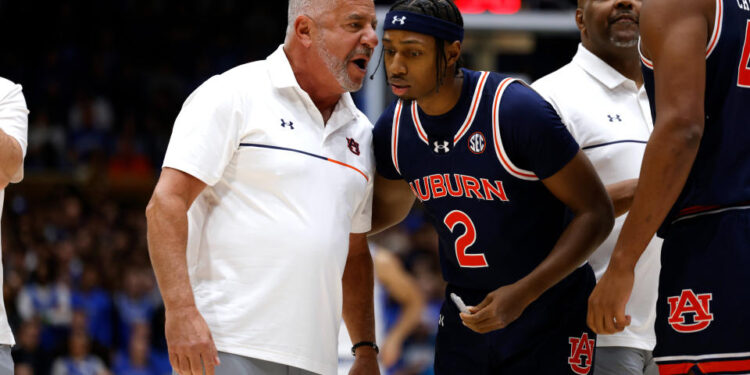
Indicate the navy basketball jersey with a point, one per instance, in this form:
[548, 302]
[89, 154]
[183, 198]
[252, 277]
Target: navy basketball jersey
[477, 170]
[720, 176]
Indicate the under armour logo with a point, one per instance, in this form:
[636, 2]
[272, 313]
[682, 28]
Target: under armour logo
[441, 148]
[284, 124]
[613, 118]
[400, 21]
[440, 321]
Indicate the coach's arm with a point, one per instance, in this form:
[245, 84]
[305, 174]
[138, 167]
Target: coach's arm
[578, 187]
[189, 340]
[11, 158]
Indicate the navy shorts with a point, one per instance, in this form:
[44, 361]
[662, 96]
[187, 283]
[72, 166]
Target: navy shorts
[703, 310]
[550, 337]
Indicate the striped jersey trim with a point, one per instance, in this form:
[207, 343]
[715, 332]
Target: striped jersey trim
[499, 149]
[476, 98]
[394, 134]
[646, 62]
[308, 154]
[695, 211]
[719, 18]
[728, 363]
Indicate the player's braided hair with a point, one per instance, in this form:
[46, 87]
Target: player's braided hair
[443, 9]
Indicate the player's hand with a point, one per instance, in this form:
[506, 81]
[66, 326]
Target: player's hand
[390, 352]
[366, 362]
[500, 308]
[607, 302]
[189, 341]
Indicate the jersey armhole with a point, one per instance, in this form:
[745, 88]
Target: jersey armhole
[502, 156]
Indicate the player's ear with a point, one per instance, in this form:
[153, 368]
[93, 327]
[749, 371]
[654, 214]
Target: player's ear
[452, 52]
[303, 29]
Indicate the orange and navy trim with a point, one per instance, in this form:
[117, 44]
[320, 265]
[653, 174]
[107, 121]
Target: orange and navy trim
[334, 161]
[717, 28]
[394, 134]
[712, 43]
[476, 98]
[693, 211]
[499, 149]
[732, 363]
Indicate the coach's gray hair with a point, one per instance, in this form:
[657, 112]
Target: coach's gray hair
[310, 8]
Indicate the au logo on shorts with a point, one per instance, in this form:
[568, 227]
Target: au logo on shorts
[690, 304]
[477, 143]
[581, 354]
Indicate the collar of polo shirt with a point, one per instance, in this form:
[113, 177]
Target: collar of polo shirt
[282, 77]
[599, 69]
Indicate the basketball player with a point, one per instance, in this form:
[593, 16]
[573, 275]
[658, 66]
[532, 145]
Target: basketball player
[694, 188]
[601, 98]
[495, 169]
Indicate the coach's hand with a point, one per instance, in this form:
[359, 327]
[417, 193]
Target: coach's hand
[497, 310]
[365, 362]
[607, 302]
[190, 344]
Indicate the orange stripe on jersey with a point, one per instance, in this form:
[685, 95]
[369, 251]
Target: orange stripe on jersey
[498, 141]
[394, 135]
[473, 112]
[349, 166]
[417, 123]
[716, 367]
[717, 28]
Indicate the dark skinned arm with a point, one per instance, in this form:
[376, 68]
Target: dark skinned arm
[391, 202]
[677, 49]
[578, 187]
[622, 194]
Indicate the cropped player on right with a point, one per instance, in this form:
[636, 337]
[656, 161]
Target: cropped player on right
[694, 188]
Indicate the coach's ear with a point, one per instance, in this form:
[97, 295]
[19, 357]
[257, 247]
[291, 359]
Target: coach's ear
[303, 29]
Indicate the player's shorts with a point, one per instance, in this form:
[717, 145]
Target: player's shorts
[550, 337]
[703, 309]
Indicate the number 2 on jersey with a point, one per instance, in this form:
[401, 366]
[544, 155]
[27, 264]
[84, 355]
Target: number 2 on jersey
[465, 240]
[743, 77]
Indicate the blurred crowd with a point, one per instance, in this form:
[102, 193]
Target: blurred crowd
[104, 81]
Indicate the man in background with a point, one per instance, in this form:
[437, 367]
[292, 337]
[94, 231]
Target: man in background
[602, 101]
[13, 140]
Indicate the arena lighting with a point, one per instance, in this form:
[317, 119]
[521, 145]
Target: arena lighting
[492, 6]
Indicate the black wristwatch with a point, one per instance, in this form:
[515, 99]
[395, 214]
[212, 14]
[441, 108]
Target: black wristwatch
[365, 343]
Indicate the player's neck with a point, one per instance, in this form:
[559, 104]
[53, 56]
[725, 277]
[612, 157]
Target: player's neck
[444, 98]
[624, 60]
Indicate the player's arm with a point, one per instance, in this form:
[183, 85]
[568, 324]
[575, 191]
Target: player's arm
[678, 49]
[358, 310]
[188, 337]
[621, 193]
[403, 288]
[391, 202]
[11, 158]
[578, 187]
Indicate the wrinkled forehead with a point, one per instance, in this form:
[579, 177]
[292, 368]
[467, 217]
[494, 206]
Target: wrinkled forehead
[362, 9]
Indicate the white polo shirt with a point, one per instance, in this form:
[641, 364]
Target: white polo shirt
[609, 116]
[268, 238]
[14, 122]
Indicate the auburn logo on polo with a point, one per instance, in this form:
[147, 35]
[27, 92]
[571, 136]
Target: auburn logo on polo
[688, 303]
[581, 354]
[353, 146]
